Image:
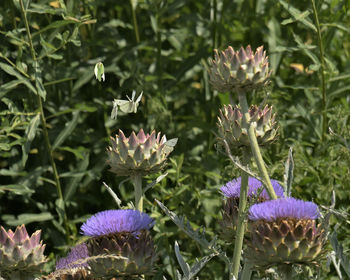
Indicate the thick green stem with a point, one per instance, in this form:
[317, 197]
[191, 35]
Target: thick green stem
[137, 181]
[43, 121]
[255, 147]
[241, 218]
[323, 69]
[247, 271]
[134, 20]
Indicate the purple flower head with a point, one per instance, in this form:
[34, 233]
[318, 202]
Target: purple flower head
[79, 252]
[290, 207]
[112, 221]
[232, 188]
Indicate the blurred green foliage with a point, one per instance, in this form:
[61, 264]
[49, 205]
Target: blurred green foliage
[165, 59]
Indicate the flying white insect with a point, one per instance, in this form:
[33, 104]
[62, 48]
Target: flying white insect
[126, 106]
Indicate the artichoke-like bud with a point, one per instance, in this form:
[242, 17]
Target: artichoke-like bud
[230, 126]
[231, 191]
[73, 266]
[285, 231]
[21, 254]
[120, 244]
[241, 70]
[139, 154]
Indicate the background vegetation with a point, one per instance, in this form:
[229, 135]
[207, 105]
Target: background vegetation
[160, 48]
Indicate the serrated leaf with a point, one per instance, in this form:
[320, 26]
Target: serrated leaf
[156, 181]
[338, 249]
[113, 194]
[184, 266]
[197, 266]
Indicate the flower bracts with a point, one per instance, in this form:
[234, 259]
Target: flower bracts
[139, 154]
[231, 191]
[19, 252]
[242, 70]
[120, 243]
[284, 231]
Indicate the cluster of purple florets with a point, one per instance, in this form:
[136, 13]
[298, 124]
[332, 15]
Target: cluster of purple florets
[112, 221]
[233, 188]
[105, 223]
[75, 258]
[271, 210]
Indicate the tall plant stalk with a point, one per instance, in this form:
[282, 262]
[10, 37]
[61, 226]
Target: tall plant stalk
[241, 214]
[137, 182]
[134, 20]
[255, 147]
[323, 68]
[43, 121]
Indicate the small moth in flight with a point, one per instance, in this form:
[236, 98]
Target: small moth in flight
[126, 106]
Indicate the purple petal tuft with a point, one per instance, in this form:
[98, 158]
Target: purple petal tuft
[79, 252]
[284, 208]
[232, 188]
[112, 221]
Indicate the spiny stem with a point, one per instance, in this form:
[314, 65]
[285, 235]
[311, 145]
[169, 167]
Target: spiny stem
[241, 216]
[137, 182]
[323, 69]
[134, 20]
[255, 147]
[43, 121]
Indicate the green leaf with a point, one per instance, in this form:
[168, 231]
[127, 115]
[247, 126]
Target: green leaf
[55, 25]
[29, 135]
[16, 189]
[38, 81]
[298, 15]
[184, 265]
[27, 218]
[43, 9]
[66, 131]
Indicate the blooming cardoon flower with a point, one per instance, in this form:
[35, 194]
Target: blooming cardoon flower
[73, 266]
[231, 190]
[244, 70]
[120, 243]
[284, 231]
[139, 154]
[231, 130]
[112, 221]
[75, 258]
[20, 254]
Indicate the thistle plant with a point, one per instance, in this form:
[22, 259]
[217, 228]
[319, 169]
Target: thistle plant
[119, 243]
[21, 256]
[284, 232]
[139, 155]
[231, 70]
[231, 130]
[73, 266]
[231, 191]
[241, 72]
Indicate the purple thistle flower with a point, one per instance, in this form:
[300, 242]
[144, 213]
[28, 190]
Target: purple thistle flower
[79, 252]
[272, 210]
[232, 188]
[112, 221]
